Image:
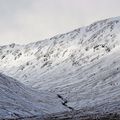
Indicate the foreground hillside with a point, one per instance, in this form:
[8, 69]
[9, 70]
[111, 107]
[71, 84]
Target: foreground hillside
[18, 101]
[81, 67]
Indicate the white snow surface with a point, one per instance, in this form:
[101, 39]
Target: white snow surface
[83, 65]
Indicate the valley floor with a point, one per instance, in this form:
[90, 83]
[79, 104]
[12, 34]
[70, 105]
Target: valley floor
[74, 115]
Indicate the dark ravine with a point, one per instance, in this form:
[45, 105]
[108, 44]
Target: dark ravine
[64, 102]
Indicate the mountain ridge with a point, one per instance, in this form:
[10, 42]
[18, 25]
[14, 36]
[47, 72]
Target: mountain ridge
[82, 65]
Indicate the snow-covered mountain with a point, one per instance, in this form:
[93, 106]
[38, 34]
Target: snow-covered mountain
[82, 66]
[17, 101]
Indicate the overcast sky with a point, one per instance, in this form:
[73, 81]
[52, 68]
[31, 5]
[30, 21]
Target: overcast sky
[24, 21]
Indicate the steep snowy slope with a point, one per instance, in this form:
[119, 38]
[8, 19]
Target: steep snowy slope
[82, 66]
[16, 100]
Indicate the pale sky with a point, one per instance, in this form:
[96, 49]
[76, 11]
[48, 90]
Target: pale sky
[25, 21]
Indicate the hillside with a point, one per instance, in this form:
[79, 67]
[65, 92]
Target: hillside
[18, 101]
